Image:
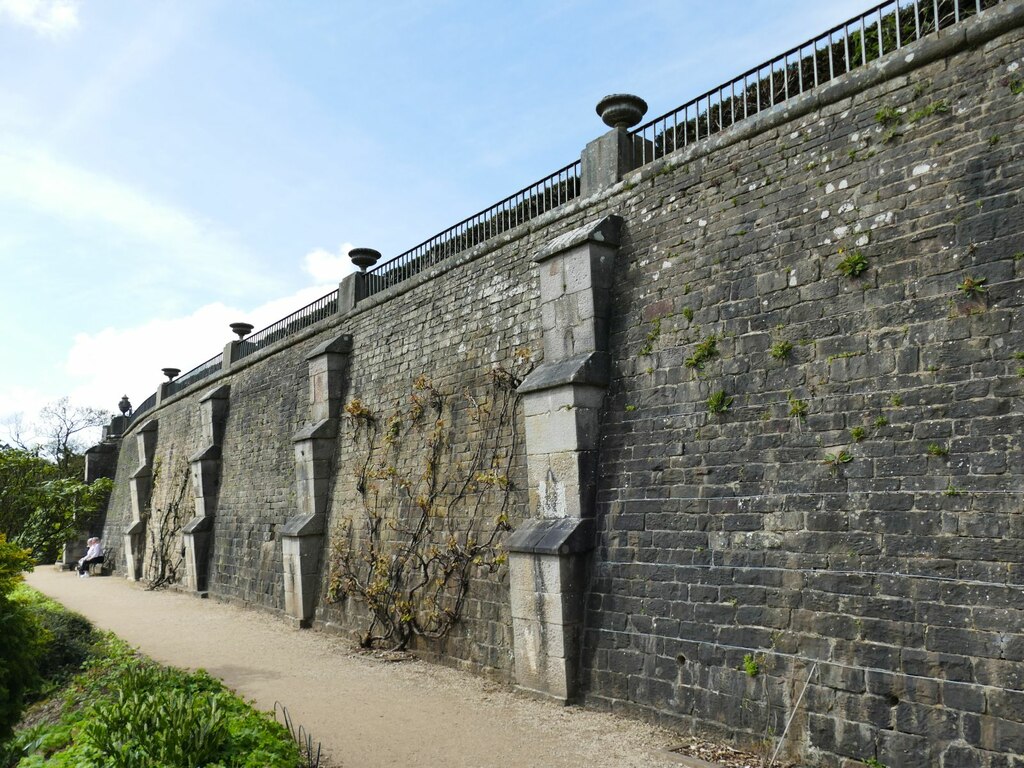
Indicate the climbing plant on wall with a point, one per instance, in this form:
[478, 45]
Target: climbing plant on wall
[437, 496]
[164, 551]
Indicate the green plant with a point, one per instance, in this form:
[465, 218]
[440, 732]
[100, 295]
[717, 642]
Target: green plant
[719, 402]
[951, 490]
[973, 287]
[896, 400]
[751, 665]
[936, 107]
[123, 711]
[797, 408]
[880, 421]
[704, 351]
[151, 722]
[853, 264]
[887, 116]
[873, 762]
[934, 449]
[1016, 86]
[993, 139]
[630, 408]
[834, 460]
[652, 337]
[21, 638]
[858, 433]
[67, 637]
[688, 314]
[780, 349]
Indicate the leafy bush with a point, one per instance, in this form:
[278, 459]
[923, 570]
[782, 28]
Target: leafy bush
[21, 639]
[67, 637]
[124, 711]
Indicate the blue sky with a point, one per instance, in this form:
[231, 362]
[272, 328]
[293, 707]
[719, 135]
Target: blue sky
[169, 167]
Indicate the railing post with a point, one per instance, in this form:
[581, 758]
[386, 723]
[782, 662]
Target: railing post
[610, 157]
[364, 258]
[230, 355]
[348, 293]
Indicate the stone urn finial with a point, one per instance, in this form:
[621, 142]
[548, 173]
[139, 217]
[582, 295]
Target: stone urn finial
[125, 406]
[241, 329]
[170, 373]
[621, 110]
[364, 258]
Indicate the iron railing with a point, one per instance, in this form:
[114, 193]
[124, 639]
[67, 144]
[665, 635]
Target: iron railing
[881, 30]
[200, 372]
[312, 313]
[528, 203]
[885, 28]
[144, 406]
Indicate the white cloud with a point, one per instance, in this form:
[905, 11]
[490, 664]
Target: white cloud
[327, 267]
[118, 361]
[50, 18]
[31, 177]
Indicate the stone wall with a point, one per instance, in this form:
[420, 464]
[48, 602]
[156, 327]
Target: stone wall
[842, 538]
[852, 515]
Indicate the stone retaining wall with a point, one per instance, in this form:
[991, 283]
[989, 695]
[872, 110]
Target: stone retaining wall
[810, 460]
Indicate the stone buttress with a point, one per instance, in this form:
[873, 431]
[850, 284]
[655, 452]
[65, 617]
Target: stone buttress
[206, 474]
[302, 538]
[562, 402]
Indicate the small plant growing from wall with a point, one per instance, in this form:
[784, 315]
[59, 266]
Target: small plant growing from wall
[934, 449]
[780, 350]
[835, 460]
[853, 264]
[751, 665]
[436, 497]
[719, 402]
[858, 433]
[652, 337]
[974, 295]
[704, 352]
[797, 408]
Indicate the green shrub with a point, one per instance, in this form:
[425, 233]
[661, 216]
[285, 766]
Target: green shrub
[21, 639]
[124, 711]
[67, 637]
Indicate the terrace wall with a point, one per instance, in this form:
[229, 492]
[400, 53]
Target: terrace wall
[851, 523]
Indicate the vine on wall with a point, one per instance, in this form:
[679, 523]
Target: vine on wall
[437, 496]
[165, 554]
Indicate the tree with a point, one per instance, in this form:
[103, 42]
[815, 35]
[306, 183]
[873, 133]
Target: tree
[59, 434]
[61, 426]
[41, 510]
[22, 477]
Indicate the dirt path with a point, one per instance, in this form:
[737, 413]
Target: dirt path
[367, 713]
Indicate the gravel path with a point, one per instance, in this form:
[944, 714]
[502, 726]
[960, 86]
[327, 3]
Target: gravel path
[367, 712]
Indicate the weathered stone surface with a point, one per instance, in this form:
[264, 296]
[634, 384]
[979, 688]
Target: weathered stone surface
[745, 532]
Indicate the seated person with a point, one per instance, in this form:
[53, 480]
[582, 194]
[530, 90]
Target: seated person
[92, 555]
